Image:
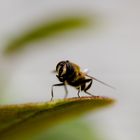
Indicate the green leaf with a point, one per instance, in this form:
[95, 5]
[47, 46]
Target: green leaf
[71, 130]
[46, 30]
[24, 121]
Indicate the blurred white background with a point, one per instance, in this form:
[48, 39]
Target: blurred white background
[111, 53]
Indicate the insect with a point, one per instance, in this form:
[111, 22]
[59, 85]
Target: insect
[69, 73]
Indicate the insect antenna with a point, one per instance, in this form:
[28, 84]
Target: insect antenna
[100, 81]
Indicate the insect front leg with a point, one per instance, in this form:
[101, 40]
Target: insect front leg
[66, 90]
[61, 84]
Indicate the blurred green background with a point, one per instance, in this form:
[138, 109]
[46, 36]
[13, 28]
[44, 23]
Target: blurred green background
[100, 35]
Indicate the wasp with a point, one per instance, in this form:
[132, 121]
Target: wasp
[69, 73]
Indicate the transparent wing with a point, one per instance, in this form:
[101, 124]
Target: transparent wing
[100, 81]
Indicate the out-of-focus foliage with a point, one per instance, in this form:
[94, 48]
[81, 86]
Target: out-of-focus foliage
[72, 130]
[27, 120]
[46, 30]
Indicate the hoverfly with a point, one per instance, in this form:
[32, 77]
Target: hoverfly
[69, 73]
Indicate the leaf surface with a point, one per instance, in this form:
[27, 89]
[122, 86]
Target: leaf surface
[26, 120]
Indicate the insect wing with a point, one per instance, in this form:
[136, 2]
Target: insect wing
[100, 81]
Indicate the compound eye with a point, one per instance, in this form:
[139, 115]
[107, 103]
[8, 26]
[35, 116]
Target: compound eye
[61, 68]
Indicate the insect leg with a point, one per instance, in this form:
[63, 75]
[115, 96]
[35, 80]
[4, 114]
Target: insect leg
[88, 93]
[61, 84]
[79, 89]
[66, 90]
[86, 81]
[85, 90]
